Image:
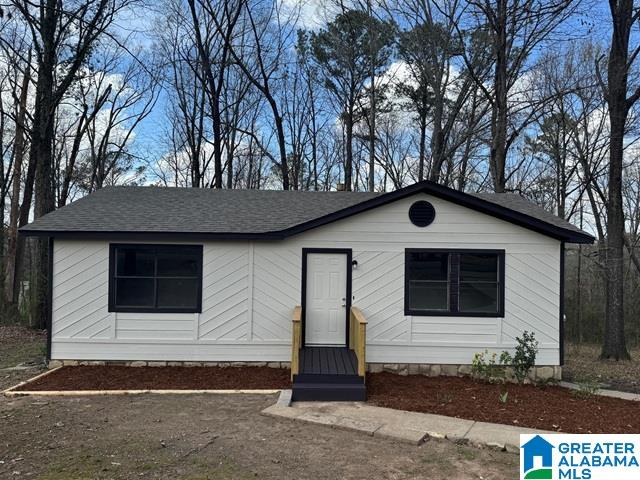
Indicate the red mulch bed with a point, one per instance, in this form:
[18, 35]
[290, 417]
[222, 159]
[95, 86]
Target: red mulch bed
[545, 407]
[111, 377]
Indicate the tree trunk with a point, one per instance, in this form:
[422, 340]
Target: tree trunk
[468, 144]
[498, 151]
[14, 209]
[372, 139]
[230, 153]
[282, 146]
[217, 143]
[41, 150]
[437, 143]
[372, 117]
[423, 146]
[614, 339]
[41, 144]
[348, 161]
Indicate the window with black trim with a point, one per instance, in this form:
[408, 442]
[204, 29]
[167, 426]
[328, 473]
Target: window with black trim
[155, 278]
[454, 282]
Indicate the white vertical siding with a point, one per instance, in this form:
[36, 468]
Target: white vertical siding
[249, 290]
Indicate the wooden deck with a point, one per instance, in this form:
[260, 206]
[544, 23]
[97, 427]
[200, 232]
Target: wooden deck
[328, 361]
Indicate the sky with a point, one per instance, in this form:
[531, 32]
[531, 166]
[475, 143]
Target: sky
[138, 27]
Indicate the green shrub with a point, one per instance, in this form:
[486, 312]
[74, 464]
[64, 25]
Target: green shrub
[489, 367]
[492, 368]
[587, 388]
[525, 357]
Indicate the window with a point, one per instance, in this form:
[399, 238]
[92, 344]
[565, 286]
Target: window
[454, 282]
[155, 278]
[428, 275]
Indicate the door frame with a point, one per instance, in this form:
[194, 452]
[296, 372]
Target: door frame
[348, 254]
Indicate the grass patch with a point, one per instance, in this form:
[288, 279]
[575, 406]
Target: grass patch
[140, 457]
[467, 453]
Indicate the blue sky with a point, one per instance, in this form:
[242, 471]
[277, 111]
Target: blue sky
[591, 20]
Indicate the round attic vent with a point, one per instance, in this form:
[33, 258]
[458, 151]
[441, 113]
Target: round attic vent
[422, 213]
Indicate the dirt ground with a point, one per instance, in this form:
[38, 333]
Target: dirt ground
[210, 437]
[21, 347]
[583, 365]
[201, 437]
[545, 407]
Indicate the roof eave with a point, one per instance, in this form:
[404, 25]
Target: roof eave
[137, 235]
[460, 198]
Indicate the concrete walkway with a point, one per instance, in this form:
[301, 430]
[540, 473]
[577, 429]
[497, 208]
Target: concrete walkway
[604, 392]
[408, 427]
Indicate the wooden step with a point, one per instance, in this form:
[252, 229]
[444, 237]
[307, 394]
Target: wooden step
[327, 378]
[345, 392]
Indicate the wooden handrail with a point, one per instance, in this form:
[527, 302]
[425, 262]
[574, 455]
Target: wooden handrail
[296, 340]
[358, 338]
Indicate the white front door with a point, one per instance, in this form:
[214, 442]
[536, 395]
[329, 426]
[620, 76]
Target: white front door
[326, 302]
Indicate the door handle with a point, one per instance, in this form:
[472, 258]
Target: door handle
[344, 302]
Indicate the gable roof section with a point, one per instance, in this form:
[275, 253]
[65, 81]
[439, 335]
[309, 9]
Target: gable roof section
[145, 212]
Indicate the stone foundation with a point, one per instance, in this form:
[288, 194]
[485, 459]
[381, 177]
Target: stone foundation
[142, 363]
[540, 373]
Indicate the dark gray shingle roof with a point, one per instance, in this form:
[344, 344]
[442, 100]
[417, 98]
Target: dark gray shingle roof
[257, 212]
[519, 204]
[194, 210]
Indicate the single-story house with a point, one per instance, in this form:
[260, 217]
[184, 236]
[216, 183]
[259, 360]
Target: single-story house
[417, 280]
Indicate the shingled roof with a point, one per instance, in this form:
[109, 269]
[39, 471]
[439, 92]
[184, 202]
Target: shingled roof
[269, 214]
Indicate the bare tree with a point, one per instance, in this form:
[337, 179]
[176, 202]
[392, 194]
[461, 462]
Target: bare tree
[259, 51]
[62, 36]
[214, 26]
[17, 60]
[438, 85]
[187, 112]
[624, 14]
[513, 29]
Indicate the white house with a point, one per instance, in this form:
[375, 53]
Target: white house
[201, 275]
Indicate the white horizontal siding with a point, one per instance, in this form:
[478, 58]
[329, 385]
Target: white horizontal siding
[448, 330]
[168, 326]
[250, 288]
[148, 350]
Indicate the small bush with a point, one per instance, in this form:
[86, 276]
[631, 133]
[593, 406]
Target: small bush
[587, 388]
[489, 367]
[525, 357]
[492, 368]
